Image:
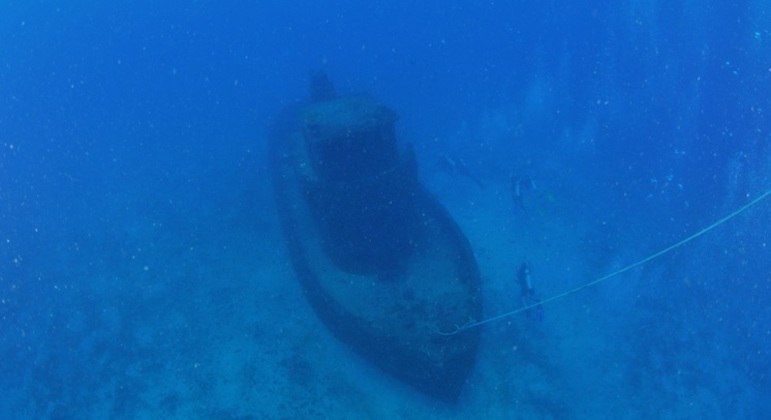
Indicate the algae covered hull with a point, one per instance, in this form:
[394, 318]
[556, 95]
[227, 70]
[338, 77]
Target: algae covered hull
[380, 260]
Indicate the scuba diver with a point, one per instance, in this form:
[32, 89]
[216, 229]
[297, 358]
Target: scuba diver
[529, 298]
[458, 167]
[519, 186]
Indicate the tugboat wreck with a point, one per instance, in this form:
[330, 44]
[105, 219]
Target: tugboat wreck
[381, 261]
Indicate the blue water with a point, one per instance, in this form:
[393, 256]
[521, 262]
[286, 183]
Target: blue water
[142, 269]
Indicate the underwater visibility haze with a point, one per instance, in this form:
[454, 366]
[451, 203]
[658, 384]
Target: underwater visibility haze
[287, 209]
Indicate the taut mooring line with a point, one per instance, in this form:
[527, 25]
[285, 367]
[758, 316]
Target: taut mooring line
[740, 210]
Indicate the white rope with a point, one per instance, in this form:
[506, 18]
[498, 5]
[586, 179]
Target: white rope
[740, 210]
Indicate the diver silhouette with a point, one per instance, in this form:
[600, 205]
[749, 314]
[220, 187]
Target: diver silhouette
[520, 185]
[459, 168]
[527, 293]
